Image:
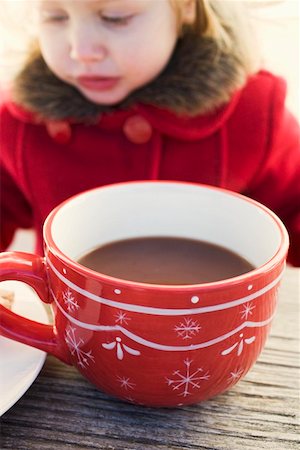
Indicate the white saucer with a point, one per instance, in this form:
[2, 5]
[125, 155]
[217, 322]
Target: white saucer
[19, 363]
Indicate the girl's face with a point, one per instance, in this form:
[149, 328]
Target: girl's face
[108, 48]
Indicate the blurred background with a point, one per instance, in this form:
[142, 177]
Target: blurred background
[277, 25]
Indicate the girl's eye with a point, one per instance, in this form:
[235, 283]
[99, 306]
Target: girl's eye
[53, 18]
[57, 19]
[116, 20]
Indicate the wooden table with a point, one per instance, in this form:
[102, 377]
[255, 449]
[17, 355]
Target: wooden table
[63, 411]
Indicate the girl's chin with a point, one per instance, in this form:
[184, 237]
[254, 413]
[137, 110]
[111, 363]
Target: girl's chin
[108, 98]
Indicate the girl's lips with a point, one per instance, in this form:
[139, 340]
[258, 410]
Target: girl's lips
[97, 83]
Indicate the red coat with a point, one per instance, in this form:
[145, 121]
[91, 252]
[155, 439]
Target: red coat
[250, 146]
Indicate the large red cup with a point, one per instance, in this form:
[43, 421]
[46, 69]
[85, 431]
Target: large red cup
[149, 344]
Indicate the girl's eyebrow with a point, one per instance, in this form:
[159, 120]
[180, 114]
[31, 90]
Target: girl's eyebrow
[93, 3]
[49, 3]
[107, 2]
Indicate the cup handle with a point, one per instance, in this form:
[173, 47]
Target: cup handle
[30, 269]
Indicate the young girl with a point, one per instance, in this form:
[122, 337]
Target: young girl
[119, 90]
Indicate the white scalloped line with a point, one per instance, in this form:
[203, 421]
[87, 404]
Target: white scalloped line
[164, 311]
[170, 348]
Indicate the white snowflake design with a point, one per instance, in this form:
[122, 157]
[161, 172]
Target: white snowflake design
[239, 344]
[121, 318]
[234, 376]
[70, 301]
[120, 347]
[247, 310]
[187, 380]
[126, 383]
[188, 328]
[74, 344]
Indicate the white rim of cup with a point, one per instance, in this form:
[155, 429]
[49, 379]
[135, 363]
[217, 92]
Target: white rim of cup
[246, 277]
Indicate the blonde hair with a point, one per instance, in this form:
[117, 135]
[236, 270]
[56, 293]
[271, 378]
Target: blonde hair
[224, 21]
[206, 21]
[18, 35]
[227, 23]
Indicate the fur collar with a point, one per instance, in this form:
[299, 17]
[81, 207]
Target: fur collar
[197, 80]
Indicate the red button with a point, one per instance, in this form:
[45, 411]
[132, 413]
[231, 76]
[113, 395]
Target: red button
[137, 129]
[60, 131]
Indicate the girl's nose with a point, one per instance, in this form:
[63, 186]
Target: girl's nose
[87, 46]
[86, 53]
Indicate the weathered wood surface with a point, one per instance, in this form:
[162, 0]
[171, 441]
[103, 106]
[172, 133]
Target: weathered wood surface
[63, 411]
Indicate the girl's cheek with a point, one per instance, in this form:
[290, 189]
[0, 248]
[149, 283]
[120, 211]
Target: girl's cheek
[51, 45]
[55, 56]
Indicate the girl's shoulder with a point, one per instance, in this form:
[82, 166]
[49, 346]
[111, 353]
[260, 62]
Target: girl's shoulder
[9, 109]
[261, 104]
[13, 118]
[264, 88]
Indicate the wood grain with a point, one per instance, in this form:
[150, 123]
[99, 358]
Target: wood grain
[62, 411]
